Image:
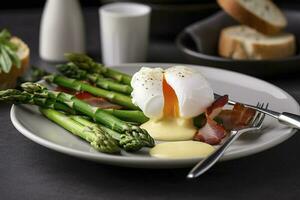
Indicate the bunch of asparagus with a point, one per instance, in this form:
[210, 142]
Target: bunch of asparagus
[86, 63]
[71, 70]
[102, 136]
[82, 67]
[111, 84]
[77, 85]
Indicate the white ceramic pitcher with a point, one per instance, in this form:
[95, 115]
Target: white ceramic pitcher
[61, 30]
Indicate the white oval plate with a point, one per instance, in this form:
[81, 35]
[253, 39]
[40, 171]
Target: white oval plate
[240, 87]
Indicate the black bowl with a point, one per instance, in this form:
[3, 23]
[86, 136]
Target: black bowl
[206, 51]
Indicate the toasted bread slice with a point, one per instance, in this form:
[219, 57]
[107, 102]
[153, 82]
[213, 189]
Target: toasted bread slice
[262, 15]
[8, 80]
[242, 42]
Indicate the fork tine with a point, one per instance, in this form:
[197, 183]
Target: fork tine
[259, 124]
[256, 119]
[259, 120]
[257, 116]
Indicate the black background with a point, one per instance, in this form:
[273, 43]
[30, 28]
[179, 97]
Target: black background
[95, 3]
[40, 3]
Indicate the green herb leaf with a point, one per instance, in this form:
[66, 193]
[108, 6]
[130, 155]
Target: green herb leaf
[12, 46]
[3, 64]
[7, 63]
[4, 35]
[14, 57]
[8, 53]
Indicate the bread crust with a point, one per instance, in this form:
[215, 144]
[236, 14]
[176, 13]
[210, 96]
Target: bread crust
[8, 80]
[233, 48]
[241, 14]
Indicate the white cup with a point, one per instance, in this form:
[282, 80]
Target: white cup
[124, 29]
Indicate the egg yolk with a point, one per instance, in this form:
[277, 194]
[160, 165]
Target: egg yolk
[171, 108]
[171, 127]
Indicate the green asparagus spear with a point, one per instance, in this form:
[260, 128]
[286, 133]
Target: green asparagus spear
[87, 63]
[114, 97]
[22, 97]
[72, 71]
[98, 138]
[129, 115]
[95, 113]
[127, 141]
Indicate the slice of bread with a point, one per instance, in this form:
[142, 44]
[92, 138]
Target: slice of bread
[242, 42]
[262, 15]
[8, 80]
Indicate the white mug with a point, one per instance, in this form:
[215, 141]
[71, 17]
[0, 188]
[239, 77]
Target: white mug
[124, 29]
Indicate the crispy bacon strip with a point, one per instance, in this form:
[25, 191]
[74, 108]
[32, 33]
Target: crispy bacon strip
[245, 114]
[84, 95]
[226, 118]
[211, 133]
[96, 101]
[239, 116]
[66, 90]
[217, 106]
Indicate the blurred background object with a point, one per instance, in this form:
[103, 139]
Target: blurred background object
[169, 17]
[61, 29]
[124, 32]
[207, 32]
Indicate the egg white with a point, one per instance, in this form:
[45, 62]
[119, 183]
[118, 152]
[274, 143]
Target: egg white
[148, 91]
[193, 91]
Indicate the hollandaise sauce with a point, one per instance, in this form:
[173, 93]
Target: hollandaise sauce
[170, 129]
[181, 149]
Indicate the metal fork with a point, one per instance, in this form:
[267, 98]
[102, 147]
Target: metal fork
[208, 162]
[286, 118]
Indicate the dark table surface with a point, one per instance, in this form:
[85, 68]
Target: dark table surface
[30, 171]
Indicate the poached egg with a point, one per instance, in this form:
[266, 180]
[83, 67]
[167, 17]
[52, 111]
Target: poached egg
[171, 98]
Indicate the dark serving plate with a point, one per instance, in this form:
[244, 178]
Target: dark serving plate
[205, 52]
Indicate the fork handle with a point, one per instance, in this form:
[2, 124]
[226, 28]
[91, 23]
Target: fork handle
[290, 119]
[209, 161]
